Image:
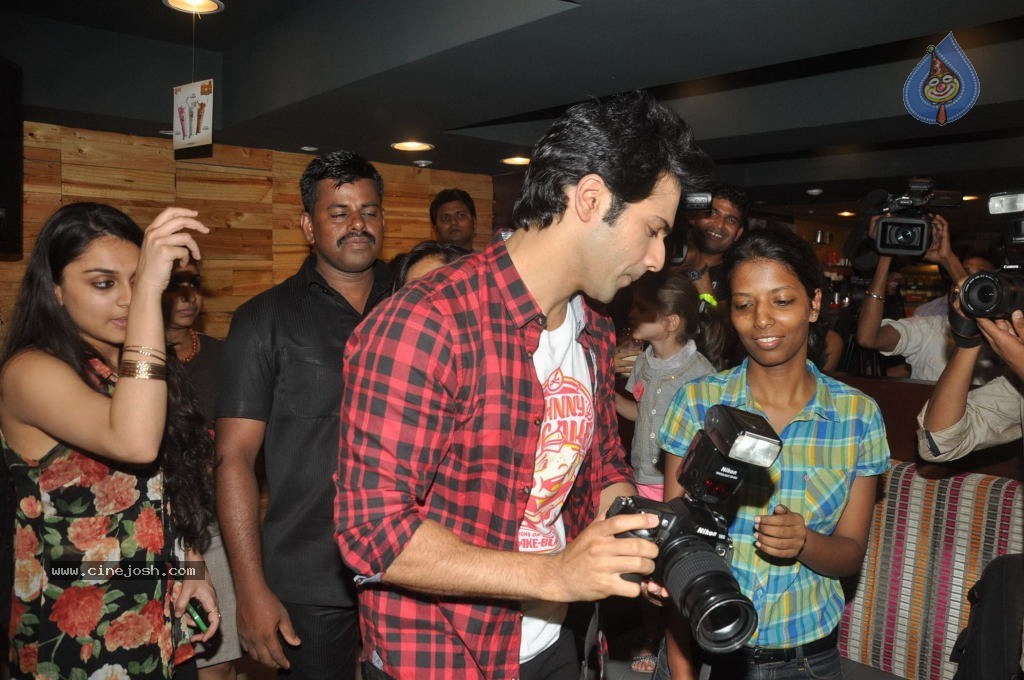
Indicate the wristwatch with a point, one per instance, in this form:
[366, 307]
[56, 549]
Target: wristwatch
[696, 274]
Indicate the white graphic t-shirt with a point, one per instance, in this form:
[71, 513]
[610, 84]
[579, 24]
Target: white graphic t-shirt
[566, 433]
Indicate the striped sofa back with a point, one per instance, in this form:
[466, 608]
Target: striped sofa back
[930, 540]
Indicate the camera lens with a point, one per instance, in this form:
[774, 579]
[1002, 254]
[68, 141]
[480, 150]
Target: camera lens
[992, 294]
[905, 236]
[721, 618]
[727, 621]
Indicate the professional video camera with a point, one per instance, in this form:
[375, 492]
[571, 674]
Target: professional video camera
[905, 228]
[693, 539]
[996, 294]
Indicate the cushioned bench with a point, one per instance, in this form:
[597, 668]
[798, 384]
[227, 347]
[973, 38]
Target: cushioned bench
[930, 540]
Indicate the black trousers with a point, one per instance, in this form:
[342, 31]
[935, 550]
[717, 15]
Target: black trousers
[560, 661]
[330, 636]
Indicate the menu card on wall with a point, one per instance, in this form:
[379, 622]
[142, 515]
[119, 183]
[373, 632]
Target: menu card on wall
[193, 116]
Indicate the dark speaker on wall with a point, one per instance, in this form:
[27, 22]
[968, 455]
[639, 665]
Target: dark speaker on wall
[11, 161]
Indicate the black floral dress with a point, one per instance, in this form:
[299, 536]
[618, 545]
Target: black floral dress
[74, 508]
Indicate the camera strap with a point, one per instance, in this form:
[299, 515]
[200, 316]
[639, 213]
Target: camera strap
[965, 331]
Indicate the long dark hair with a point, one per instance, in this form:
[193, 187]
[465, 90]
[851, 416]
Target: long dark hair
[40, 322]
[781, 245]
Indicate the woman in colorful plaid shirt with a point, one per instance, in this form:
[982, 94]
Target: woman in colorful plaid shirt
[804, 525]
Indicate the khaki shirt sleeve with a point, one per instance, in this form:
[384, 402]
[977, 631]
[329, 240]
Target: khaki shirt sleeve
[993, 417]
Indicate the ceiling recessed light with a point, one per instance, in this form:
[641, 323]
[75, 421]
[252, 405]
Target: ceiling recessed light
[412, 145]
[309, 149]
[815, 191]
[421, 162]
[846, 213]
[196, 6]
[970, 198]
[516, 160]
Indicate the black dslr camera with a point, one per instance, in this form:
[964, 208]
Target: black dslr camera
[693, 539]
[905, 228]
[996, 294]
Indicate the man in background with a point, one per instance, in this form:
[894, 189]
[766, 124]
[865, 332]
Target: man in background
[453, 215]
[713, 233]
[280, 391]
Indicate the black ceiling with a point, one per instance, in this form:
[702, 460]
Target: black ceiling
[785, 95]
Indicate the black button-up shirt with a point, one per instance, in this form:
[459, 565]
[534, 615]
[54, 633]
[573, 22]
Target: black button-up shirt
[282, 365]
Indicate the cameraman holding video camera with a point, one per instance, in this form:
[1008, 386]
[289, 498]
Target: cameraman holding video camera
[923, 341]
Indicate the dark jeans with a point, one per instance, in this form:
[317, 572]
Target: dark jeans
[560, 661]
[329, 637]
[821, 666]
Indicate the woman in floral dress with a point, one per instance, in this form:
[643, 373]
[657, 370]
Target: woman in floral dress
[104, 478]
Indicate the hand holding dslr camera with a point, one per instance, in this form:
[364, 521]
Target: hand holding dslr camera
[693, 539]
[995, 294]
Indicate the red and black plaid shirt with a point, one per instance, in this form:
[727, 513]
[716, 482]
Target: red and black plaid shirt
[440, 419]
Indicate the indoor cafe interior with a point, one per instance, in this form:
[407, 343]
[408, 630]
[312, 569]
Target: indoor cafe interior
[813, 109]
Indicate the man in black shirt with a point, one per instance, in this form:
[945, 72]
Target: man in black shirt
[281, 391]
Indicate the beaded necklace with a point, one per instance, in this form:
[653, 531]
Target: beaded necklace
[195, 347]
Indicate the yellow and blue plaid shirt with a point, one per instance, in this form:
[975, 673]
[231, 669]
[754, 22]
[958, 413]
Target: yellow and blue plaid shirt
[838, 436]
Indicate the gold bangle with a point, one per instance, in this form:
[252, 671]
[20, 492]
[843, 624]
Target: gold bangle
[141, 370]
[878, 297]
[146, 351]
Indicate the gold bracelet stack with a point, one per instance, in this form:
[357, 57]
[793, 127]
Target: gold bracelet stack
[141, 370]
[158, 354]
[878, 297]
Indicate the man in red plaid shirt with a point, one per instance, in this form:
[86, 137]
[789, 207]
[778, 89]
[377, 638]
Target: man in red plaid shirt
[479, 445]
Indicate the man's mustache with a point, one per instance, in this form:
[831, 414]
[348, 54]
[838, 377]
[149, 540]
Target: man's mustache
[358, 234]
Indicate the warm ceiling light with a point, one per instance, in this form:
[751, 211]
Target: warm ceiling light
[412, 145]
[196, 6]
[970, 198]
[846, 213]
[516, 160]
[815, 191]
[309, 149]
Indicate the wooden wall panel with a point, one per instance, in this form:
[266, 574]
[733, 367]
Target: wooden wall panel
[249, 197]
[107, 149]
[210, 183]
[98, 183]
[42, 175]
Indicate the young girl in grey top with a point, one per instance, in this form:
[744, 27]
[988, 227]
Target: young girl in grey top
[666, 315]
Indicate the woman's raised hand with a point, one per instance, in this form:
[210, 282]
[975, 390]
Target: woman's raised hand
[167, 240]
